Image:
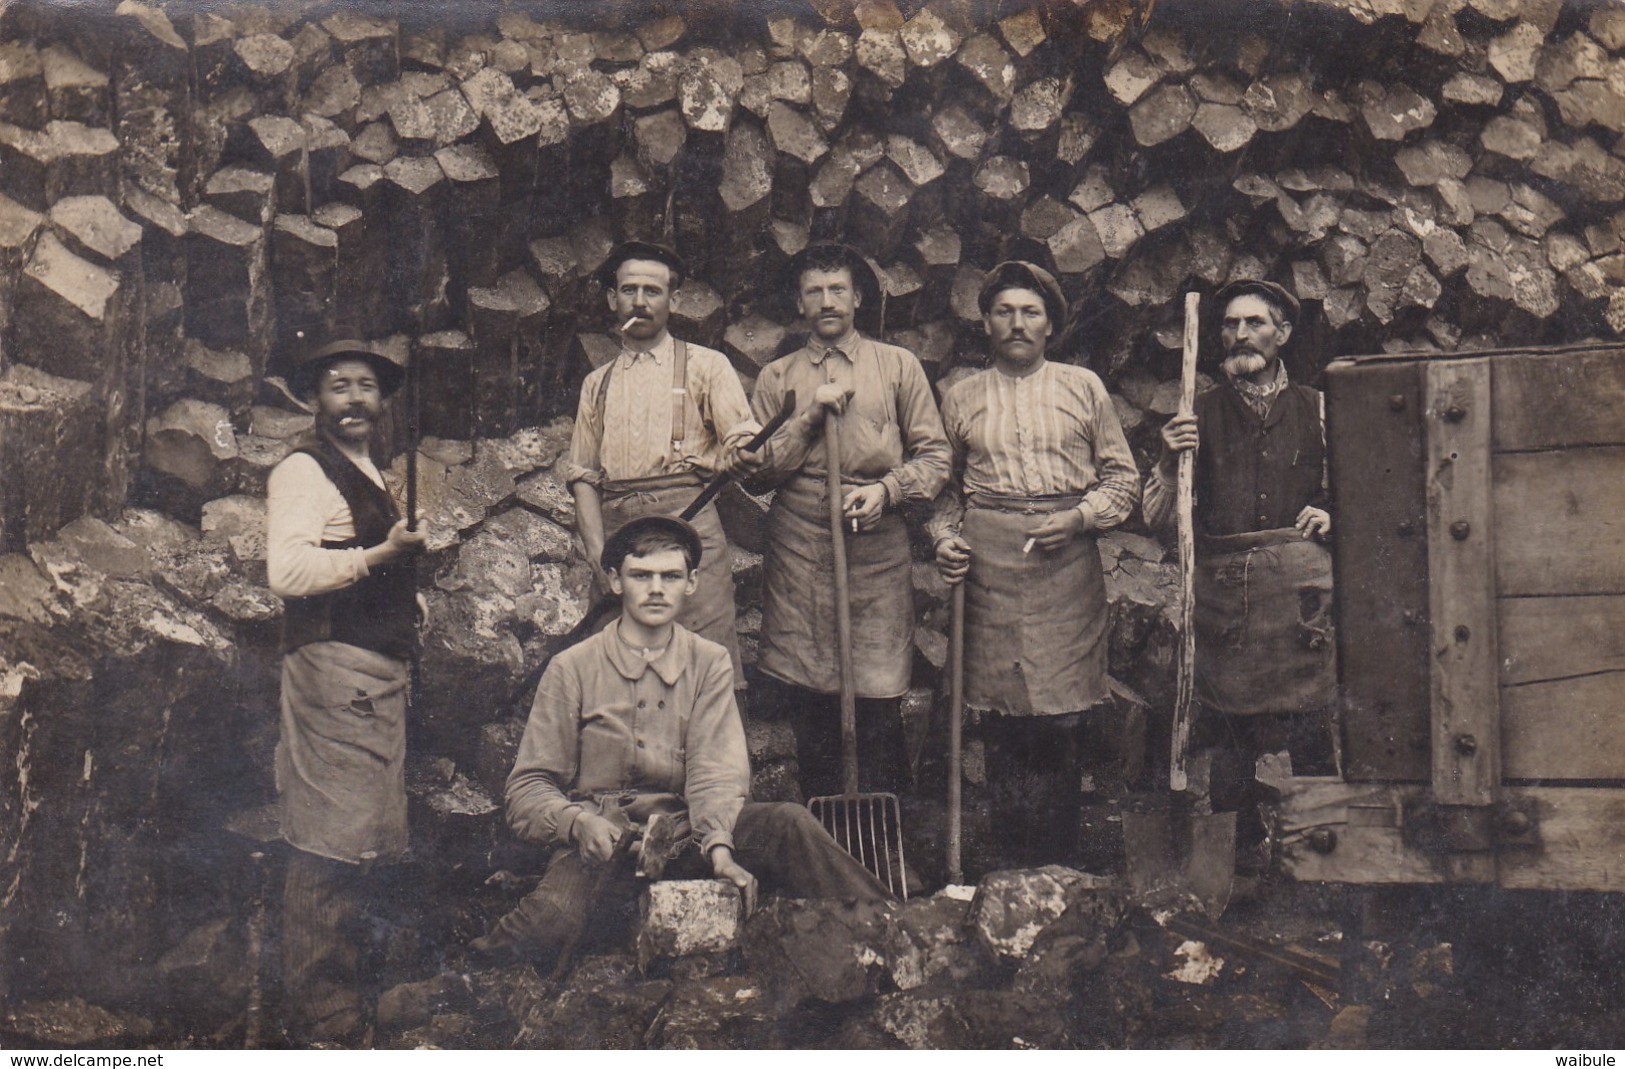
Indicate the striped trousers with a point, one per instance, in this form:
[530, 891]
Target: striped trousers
[321, 945]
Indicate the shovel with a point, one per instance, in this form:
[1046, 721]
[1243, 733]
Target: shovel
[868, 826]
[1175, 852]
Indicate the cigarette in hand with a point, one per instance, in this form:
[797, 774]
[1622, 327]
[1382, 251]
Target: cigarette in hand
[1028, 548]
[854, 525]
[628, 324]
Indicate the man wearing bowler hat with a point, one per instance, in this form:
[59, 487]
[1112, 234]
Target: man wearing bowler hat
[338, 554]
[1042, 466]
[892, 452]
[653, 425]
[1265, 651]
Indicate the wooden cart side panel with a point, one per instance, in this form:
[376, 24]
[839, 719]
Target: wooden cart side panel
[1374, 438]
[1466, 735]
[1566, 729]
[1551, 638]
[1559, 400]
[1560, 522]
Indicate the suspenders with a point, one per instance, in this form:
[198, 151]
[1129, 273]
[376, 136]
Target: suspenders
[679, 396]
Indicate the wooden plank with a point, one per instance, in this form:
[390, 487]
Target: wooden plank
[1582, 841]
[1560, 522]
[1578, 843]
[1567, 729]
[1556, 638]
[1588, 388]
[1379, 559]
[1461, 586]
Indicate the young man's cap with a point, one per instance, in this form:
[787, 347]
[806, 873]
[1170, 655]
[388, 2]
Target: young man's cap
[863, 272]
[621, 542]
[1025, 275]
[307, 369]
[1273, 293]
[642, 250]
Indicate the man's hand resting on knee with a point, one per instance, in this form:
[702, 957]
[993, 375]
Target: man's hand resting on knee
[724, 867]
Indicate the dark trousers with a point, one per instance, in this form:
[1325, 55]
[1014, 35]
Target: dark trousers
[321, 945]
[1035, 768]
[781, 844]
[816, 720]
[1237, 742]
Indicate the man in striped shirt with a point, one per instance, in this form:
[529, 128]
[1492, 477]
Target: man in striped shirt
[1041, 465]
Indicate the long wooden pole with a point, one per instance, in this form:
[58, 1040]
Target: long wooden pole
[956, 718]
[1185, 693]
[843, 610]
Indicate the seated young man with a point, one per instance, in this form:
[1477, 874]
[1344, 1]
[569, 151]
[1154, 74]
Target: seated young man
[639, 722]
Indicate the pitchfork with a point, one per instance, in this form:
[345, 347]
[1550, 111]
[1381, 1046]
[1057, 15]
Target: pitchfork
[868, 826]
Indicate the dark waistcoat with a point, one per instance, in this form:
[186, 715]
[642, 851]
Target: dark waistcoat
[1257, 474]
[378, 612]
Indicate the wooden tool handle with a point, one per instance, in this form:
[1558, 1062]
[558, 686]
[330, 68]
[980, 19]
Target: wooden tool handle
[1185, 693]
[956, 718]
[843, 609]
[411, 446]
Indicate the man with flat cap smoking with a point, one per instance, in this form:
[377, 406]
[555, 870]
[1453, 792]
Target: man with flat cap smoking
[1041, 465]
[892, 453]
[1265, 655]
[653, 425]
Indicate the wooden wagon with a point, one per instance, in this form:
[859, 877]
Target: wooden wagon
[1480, 585]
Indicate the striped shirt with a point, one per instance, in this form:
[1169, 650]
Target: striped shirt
[627, 435]
[1054, 431]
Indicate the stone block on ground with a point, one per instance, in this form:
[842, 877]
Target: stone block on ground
[1011, 908]
[817, 949]
[930, 940]
[50, 453]
[686, 917]
[717, 1013]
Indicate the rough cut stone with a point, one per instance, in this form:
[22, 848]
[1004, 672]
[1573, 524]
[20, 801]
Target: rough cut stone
[684, 917]
[816, 949]
[1011, 908]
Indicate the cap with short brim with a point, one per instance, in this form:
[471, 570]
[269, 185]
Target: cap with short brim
[1269, 291]
[1026, 275]
[642, 250]
[621, 542]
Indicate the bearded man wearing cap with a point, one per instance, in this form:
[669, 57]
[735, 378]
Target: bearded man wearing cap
[634, 733]
[1265, 651]
[1041, 466]
[892, 452]
[338, 554]
[653, 425]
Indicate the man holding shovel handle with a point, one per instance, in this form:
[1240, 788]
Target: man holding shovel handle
[1042, 465]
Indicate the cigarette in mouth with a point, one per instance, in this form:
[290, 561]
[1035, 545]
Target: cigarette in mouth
[1028, 548]
[628, 324]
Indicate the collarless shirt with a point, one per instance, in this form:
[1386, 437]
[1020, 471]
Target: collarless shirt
[890, 432]
[605, 720]
[628, 436]
[303, 509]
[1053, 431]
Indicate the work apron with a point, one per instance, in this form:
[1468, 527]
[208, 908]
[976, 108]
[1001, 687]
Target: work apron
[709, 611]
[1264, 635]
[341, 761]
[1035, 622]
[799, 643]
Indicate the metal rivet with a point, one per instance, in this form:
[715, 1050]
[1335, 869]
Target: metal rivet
[1406, 529]
[1460, 530]
[1466, 745]
[1455, 413]
[1323, 840]
[1463, 633]
[1396, 402]
[1516, 822]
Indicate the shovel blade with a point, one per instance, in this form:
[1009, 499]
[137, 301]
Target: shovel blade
[1175, 856]
[870, 828]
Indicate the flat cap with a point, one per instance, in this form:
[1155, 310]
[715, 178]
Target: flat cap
[621, 542]
[642, 250]
[1023, 274]
[1275, 294]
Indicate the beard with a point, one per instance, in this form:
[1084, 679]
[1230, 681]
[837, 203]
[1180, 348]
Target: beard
[1238, 365]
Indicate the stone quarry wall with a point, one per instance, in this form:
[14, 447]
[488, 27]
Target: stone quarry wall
[190, 192]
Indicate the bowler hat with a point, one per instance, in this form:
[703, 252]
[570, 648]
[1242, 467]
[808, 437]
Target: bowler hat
[621, 542]
[642, 250]
[1023, 274]
[307, 369]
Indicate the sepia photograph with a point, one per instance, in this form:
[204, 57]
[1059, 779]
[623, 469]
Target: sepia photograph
[872, 525]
